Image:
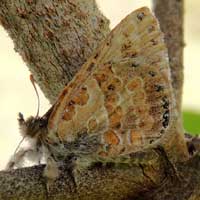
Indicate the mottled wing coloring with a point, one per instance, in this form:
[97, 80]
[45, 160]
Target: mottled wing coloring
[122, 94]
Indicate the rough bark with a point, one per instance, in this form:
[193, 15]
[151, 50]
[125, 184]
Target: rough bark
[54, 38]
[60, 36]
[150, 175]
[170, 16]
[100, 182]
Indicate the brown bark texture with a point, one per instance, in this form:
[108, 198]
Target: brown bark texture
[150, 176]
[170, 16]
[55, 38]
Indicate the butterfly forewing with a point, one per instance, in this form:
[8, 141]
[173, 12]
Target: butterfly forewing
[122, 93]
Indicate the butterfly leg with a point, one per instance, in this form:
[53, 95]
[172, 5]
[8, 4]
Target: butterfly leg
[51, 172]
[78, 166]
[40, 154]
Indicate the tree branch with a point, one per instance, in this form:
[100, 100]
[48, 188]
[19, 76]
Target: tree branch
[187, 187]
[149, 175]
[99, 182]
[170, 16]
[54, 38]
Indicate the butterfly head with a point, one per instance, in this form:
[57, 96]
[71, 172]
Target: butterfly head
[32, 127]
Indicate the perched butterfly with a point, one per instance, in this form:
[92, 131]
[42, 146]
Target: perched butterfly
[119, 102]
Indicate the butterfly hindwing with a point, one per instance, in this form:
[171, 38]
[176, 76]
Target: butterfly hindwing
[122, 93]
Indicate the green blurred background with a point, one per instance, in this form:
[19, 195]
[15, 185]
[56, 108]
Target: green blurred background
[191, 94]
[191, 97]
[191, 121]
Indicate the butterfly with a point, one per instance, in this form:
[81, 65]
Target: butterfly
[120, 101]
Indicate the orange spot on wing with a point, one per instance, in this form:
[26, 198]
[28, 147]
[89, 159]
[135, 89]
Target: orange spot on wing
[110, 137]
[69, 112]
[115, 118]
[116, 83]
[103, 154]
[111, 85]
[101, 78]
[135, 84]
[111, 100]
[103, 75]
[81, 98]
[109, 107]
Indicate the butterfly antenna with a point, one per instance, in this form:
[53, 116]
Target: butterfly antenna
[33, 83]
[19, 145]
